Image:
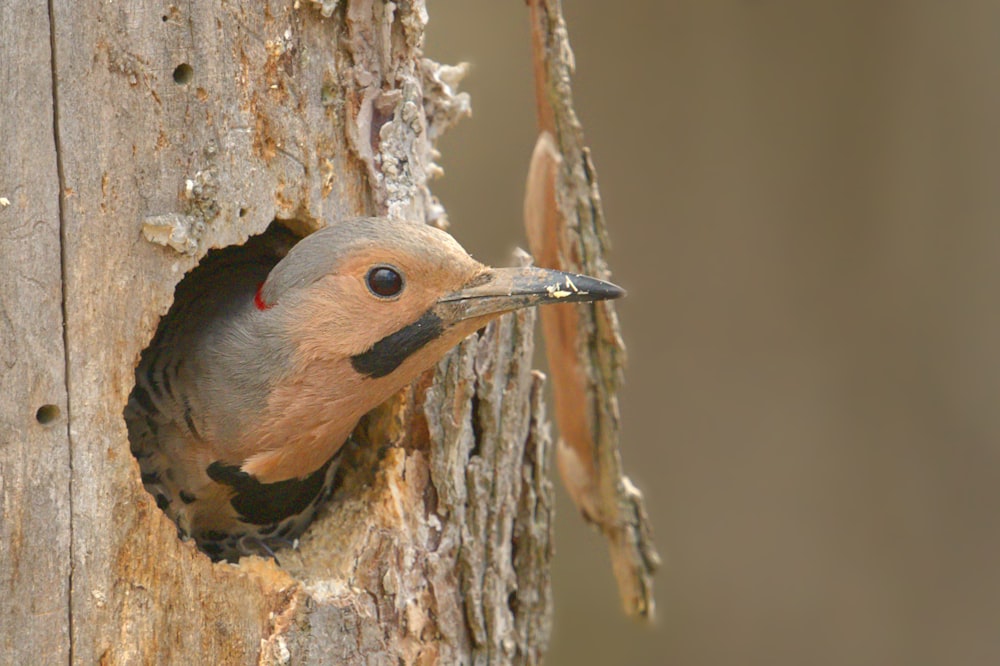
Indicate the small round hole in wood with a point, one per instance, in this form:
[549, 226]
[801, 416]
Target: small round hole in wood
[46, 414]
[183, 74]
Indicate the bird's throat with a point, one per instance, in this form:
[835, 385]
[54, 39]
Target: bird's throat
[309, 417]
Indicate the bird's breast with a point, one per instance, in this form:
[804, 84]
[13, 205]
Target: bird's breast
[307, 418]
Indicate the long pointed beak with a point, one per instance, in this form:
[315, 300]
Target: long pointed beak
[501, 290]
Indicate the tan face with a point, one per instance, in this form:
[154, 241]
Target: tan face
[363, 301]
[338, 318]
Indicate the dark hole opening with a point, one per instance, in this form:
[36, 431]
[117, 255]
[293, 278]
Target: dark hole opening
[46, 414]
[160, 407]
[157, 410]
[183, 74]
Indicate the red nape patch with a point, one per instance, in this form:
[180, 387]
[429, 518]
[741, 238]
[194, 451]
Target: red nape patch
[258, 300]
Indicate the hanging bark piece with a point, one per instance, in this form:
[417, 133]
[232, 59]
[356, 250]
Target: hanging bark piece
[566, 230]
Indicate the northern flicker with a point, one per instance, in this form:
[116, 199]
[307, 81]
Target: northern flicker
[259, 372]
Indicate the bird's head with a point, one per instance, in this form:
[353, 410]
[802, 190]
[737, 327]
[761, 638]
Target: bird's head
[368, 304]
[380, 293]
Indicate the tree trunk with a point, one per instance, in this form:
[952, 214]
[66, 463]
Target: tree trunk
[137, 136]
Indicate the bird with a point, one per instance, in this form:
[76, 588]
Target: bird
[261, 368]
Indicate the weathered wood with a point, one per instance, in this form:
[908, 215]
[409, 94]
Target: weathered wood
[566, 230]
[226, 144]
[34, 445]
[186, 127]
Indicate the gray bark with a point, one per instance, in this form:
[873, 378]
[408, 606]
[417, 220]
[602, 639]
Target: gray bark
[34, 448]
[179, 129]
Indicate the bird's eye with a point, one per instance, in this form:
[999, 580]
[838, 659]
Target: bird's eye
[384, 282]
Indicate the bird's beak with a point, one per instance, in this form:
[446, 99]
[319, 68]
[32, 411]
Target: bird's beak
[499, 290]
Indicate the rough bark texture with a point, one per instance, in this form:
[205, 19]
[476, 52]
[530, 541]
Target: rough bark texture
[566, 230]
[185, 127]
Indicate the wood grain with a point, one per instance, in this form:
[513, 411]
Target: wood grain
[34, 456]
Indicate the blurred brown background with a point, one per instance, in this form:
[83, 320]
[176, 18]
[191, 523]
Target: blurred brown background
[804, 202]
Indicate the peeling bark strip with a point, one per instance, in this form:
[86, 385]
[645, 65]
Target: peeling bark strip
[392, 125]
[179, 127]
[566, 230]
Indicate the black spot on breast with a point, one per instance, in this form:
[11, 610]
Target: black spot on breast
[151, 424]
[162, 501]
[190, 421]
[186, 497]
[166, 382]
[264, 503]
[150, 478]
[141, 396]
[140, 455]
[152, 374]
[388, 353]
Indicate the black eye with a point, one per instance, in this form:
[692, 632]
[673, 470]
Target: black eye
[384, 281]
